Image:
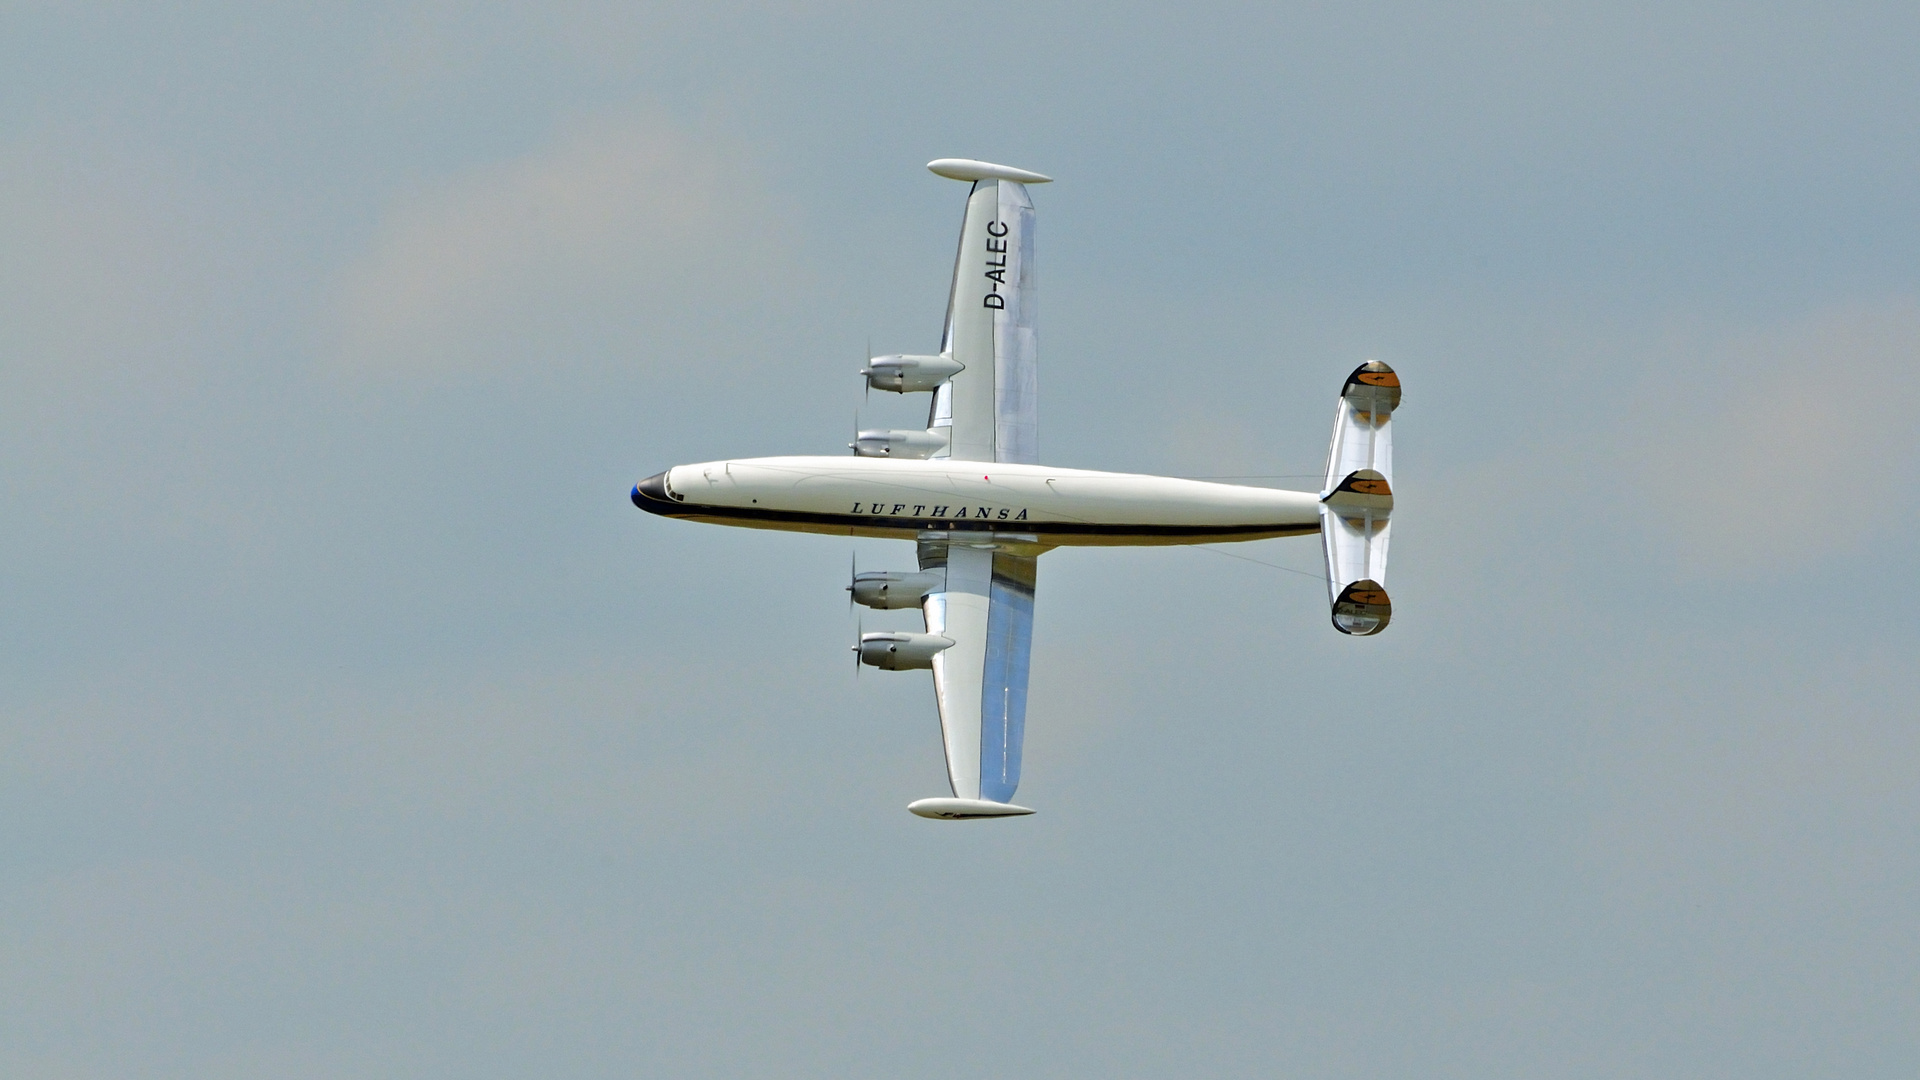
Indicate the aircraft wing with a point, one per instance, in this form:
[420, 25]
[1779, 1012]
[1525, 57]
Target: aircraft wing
[986, 610]
[990, 405]
[985, 606]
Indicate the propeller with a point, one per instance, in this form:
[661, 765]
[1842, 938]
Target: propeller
[860, 626]
[867, 394]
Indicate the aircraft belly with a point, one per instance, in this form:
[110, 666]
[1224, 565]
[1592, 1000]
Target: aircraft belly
[1053, 507]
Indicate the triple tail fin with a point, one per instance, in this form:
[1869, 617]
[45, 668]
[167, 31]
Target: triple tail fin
[1356, 503]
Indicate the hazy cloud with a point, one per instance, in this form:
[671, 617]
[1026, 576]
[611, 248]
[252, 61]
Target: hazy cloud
[1776, 446]
[506, 262]
[352, 722]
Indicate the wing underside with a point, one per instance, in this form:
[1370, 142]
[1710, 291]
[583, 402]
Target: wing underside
[989, 407]
[986, 608]
[988, 413]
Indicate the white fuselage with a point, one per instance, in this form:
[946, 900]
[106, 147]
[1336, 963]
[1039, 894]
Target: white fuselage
[1025, 504]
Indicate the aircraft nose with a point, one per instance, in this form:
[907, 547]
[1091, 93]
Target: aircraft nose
[651, 490]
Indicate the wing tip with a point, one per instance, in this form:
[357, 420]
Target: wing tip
[971, 170]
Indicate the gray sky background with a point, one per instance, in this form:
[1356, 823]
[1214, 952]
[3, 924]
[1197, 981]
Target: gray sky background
[352, 723]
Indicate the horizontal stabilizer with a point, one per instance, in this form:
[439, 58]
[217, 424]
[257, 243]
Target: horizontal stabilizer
[965, 809]
[1356, 506]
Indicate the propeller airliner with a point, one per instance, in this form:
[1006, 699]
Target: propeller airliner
[981, 510]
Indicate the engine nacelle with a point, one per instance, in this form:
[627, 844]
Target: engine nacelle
[888, 589]
[900, 651]
[910, 374]
[898, 443]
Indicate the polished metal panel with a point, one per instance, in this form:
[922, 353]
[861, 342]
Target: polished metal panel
[1003, 684]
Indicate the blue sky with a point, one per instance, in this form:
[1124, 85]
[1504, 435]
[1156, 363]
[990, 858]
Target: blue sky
[352, 723]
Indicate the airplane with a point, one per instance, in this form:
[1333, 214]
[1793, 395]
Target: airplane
[981, 510]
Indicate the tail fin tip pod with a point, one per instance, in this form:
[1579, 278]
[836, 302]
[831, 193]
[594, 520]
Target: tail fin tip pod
[1356, 505]
[1362, 609]
[1373, 388]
